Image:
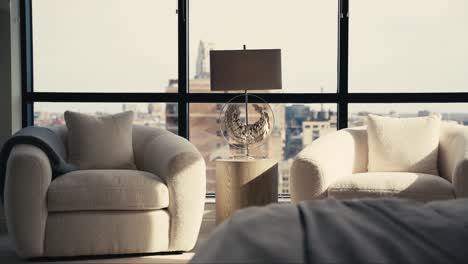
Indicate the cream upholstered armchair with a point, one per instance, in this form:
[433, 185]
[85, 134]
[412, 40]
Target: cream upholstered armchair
[335, 165]
[156, 208]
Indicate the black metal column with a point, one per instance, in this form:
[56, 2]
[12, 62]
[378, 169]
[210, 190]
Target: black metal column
[183, 106]
[343, 32]
[27, 106]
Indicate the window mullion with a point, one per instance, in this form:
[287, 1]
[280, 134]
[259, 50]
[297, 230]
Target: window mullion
[343, 32]
[26, 63]
[183, 107]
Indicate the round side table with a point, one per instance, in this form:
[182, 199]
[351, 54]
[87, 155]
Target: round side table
[242, 183]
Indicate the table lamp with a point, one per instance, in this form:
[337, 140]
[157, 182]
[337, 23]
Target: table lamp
[245, 70]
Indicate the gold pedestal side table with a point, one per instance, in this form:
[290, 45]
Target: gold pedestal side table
[244, 182]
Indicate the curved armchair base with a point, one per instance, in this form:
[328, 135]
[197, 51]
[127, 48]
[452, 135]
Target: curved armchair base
[106, 233]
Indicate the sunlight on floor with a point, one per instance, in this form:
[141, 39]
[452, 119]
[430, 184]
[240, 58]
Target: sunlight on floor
[180, 258]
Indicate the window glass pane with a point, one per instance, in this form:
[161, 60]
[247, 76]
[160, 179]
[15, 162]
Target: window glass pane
[104, 45]
[304, 30]
[295, 127]
[408, 46]
[453, 112]
[154, 114]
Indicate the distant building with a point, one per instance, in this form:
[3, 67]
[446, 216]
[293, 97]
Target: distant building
[202, 69]
[130, 107]
[302, 121]
[311, 130]
[302, 127]
[424, 113]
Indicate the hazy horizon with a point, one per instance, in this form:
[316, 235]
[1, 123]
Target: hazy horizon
[418, 48]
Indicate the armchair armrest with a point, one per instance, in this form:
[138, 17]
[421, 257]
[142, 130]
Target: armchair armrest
[182, 167]
[28, 177]
[331, 156]
[453, 157]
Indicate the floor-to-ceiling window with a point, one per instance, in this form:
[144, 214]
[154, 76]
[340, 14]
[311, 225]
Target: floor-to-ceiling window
[400, 47]
[341, 59]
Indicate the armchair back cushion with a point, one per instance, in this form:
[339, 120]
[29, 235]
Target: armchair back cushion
[403, 144]
[100, 142]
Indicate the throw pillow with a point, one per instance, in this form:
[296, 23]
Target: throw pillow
[103, 142]
[403, 144]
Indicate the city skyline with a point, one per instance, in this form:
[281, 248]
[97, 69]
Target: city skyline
[297, 126]
[286, 137]
[93, 108]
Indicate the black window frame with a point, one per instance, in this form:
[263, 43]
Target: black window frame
[342, 98]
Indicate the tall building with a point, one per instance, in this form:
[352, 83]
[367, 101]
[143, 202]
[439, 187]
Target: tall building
[295, 115]
[202, 69]
[311, 130]
[303, 126]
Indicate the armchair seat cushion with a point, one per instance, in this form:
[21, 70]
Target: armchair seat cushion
[89, 190]
[417, 186]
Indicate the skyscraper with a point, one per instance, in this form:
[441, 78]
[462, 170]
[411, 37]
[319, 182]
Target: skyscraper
[202, 69]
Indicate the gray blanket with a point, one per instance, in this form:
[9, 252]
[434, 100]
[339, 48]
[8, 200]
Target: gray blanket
[43, 138]
[353, 231]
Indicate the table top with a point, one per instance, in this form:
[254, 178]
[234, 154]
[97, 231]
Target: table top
[246, 159]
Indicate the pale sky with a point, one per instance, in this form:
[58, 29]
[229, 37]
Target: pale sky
[131, 45]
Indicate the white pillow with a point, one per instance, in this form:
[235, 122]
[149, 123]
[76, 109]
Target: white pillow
[403, 144]
[100, 142]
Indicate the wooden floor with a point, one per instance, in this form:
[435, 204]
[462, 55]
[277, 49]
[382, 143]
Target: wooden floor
[7, 254]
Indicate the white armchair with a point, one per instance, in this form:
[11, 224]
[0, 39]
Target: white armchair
[335, 165]
[158, 207]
